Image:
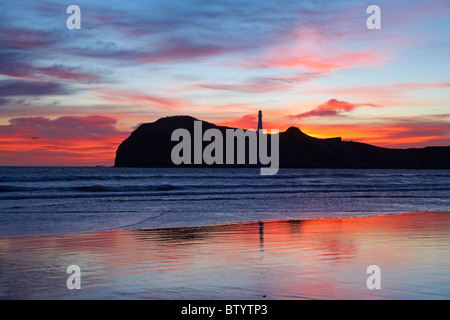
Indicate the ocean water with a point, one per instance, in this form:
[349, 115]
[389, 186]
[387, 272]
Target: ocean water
[116, 224]
[70, 200]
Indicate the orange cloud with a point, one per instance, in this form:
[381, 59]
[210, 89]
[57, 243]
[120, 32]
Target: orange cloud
[66, 140]
[394, 133]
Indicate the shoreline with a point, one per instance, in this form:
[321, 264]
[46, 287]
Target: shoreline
[364, 215]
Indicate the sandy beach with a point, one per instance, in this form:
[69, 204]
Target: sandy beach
[304, 259]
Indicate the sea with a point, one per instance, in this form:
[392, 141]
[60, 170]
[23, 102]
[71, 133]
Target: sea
[46, 201]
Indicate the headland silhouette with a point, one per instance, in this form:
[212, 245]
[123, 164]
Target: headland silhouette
[150, 145]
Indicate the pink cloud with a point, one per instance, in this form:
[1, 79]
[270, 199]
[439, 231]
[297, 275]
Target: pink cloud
[322, 62]
[28, 72]
[421, 85]
[29, 39]
[180, 50]
[332, 107]
[313, 48]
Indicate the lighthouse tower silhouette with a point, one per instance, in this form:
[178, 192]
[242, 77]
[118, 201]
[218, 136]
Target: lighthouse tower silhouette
[260, 120]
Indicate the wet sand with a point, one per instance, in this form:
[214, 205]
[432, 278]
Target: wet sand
[304, 259]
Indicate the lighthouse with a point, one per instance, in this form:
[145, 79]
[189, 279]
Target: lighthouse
[260, 120]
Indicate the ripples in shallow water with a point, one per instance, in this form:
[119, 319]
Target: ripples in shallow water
[306, 259]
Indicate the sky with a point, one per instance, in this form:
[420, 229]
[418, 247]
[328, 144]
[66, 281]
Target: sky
[70, 96]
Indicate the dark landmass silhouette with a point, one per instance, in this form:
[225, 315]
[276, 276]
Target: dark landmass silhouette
[150, 145]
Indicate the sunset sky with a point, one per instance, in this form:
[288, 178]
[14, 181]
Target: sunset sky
[69, 97]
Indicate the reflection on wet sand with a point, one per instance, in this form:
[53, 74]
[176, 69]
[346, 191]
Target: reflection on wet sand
[307, 259]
